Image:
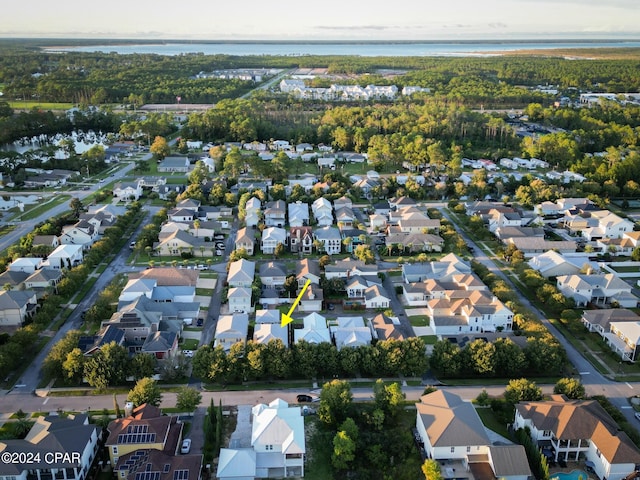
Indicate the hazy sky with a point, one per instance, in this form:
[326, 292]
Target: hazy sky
[318, 20]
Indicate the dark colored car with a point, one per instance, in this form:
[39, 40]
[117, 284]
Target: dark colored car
[304, 399]
[199, 322]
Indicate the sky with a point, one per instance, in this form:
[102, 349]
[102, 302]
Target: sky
[322, 19]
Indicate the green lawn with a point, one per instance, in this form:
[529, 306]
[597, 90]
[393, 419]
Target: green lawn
[189, 344]
[419, 320]
[429, 339]
[490, 421]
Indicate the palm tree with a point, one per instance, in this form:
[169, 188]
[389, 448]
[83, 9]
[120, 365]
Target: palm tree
[196, 225]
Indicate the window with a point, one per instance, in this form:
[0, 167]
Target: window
[468, 449]
[114, 449]
[453, 449]
[268, 447]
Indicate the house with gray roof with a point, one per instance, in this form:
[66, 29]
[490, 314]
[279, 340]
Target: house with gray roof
[127, 191]
[231, 329]
[16, 306]
[241, 273]
[67, 445]
[330, 239]
[174, 165]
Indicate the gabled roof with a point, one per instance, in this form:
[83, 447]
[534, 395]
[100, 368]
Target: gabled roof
[272, 269]
[169, 276]
[15, 299]
[451, 422]
[278, 424]
[242, 271]
[265, 332]
[573, 419]
[237, 463]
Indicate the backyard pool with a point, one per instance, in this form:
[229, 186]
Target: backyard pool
[574, 475]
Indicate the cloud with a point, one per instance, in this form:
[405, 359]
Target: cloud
[356, 27]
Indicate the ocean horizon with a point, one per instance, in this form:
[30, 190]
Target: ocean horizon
[366, 49]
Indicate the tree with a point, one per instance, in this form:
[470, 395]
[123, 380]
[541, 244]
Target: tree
[160, 148]
[108, 366]
[76, 207]
[364, 254]
[291, 286]
[74, 365]
[188, 399]
[143, 365]
[522, 390]
[335, 402]
[344, 451]
[145, 391]
[571, 387]
[431, 470]
[279, 250]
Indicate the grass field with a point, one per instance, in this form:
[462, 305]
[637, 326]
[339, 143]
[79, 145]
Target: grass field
[43, 207]
[29, 104]
[419, 320]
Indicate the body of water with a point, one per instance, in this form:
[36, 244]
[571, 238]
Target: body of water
[573, 475]
[363, 49]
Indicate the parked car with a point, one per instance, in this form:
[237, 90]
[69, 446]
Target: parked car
[199, 322]
[187, 353]
[304, 398]
[186, 446]
[637, 415]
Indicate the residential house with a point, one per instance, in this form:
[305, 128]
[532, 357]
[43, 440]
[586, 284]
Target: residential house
[327, 162]
[276, 448]
[127, 191]
[269, 316]
[161, 344]
[179, 241]
[385, 328]
[350, 332]
[344, 217]
[342, 202]
[418, 223]
[253, 212]
[348, 268]
[600, 289]
[596, 224]
[330, 238]
[352, 237]
[16, 306]
[301, 240]
[443, 269]
[312, 298]
[174, 165]
[415, 242]
[298, 214]
[241, 273]
[51, 241]
[356, 287]
[182, 215]
[314, 330]
[271, 237]
[307, 269]
[168, 276]
[275, 214]
[624, 339]
[599, 321]
[450, 430]
[463, 311]
[231, 329]
[25, 264]
[573, 429]
[239, 299]
[14, 279]
[377, 222]
[367, 185]
[64, 256]
[55, 447]
[376, 296]
[396, 203]
[266, 332]
[82, 233]
[245, 239]
[322, 212]
[142, 428]
[273, 274]
[152, 182]
[43, 280]
[158, 465]
[554, 264]
[531, 246]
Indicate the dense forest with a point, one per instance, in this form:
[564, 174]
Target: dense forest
[96, 78]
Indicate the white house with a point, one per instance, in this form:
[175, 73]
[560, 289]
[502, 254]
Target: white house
[240, 300]
[126, 191]
[271, 237]
[26, 264]
[64, 256]
[600, 289]
[241, 273]
[231, 329]
[450, 430]
[314, 331]
[276, 448]
[330, 238]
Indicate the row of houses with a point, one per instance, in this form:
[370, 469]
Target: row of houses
[344, 332]
[457, 301]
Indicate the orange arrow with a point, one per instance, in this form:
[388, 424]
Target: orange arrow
[286, 317]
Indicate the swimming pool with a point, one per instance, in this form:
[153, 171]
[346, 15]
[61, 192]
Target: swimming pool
[573, 475]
